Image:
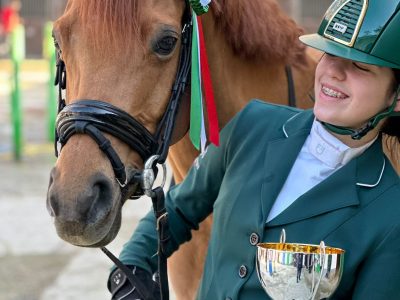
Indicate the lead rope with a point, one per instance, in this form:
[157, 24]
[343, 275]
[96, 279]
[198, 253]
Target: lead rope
[163, 237]
[136, 284]
[160, 212]
[158, 199]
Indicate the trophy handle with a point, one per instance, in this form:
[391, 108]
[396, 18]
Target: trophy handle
[322, 260]
[282, 238]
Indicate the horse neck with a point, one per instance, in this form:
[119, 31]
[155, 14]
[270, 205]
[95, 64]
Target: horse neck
[237, 80]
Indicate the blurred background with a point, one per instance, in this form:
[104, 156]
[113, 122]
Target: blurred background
[34, 263]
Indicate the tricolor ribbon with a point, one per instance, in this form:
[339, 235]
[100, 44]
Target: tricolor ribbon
[196, 109]
[201, 86]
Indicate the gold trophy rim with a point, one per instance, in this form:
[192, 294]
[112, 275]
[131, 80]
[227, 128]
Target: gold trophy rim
[299, 248]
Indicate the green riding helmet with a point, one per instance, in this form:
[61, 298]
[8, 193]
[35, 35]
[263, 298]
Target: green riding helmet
[366, 31]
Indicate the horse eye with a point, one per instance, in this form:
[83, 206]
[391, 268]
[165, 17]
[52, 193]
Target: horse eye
[165, 45]
[57, 48]
[56, 45]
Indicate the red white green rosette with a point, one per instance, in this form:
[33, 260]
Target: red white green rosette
[200, 6]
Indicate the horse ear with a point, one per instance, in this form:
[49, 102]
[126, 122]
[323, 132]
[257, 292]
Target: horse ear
[182, 121]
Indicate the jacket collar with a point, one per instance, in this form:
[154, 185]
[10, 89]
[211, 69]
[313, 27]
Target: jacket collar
[298, 123]
[370, 166]
[365, 171]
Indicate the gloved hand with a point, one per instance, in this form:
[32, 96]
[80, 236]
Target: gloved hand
[121, 288]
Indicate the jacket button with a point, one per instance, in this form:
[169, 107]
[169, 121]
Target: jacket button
[242, 271]
[254, 238]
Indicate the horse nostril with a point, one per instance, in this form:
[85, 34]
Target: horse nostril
[51, 202]
[87, 204]
[100, 197]
[52, 206]
[104, 194]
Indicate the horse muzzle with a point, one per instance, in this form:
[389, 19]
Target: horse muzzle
[89, 214]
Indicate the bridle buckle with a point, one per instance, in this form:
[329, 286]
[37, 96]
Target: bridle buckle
[148, 177]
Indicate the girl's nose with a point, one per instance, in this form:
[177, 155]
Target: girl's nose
[335, 66]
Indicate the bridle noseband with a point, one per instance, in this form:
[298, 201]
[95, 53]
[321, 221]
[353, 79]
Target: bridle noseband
[95, 118]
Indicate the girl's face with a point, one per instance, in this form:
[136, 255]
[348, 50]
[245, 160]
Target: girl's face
[349, 93]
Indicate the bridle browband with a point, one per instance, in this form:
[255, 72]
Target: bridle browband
[94, 118]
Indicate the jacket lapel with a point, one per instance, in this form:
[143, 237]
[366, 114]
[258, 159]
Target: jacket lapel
[338, 191]
[280, 155]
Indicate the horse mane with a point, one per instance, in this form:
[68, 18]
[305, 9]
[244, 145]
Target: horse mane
[111, 21]
[255, 29]
[259, 29]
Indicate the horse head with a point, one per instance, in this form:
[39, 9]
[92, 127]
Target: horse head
[118, 60]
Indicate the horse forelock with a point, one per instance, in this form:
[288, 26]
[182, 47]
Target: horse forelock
[259, 29]
[116, 22]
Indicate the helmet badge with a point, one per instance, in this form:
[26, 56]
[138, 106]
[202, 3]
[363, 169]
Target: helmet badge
[344, 20]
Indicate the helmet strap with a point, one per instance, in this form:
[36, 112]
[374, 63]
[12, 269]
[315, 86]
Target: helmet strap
[357, 134]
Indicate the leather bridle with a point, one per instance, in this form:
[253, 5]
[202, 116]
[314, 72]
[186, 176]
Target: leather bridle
[95, 117]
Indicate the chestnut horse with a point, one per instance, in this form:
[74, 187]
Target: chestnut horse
[126, 53]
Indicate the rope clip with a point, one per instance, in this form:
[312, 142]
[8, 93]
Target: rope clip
[148, 176]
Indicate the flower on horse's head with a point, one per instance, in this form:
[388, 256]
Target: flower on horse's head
[199, 6]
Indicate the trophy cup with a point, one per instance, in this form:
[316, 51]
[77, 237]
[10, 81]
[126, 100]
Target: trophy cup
[299, 271]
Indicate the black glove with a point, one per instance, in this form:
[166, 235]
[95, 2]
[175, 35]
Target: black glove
[145, 287]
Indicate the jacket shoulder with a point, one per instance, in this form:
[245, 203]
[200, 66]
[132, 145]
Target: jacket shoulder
[261, 120]
[261, 115]
[257, 107]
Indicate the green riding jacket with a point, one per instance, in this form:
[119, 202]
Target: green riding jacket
[356, 209]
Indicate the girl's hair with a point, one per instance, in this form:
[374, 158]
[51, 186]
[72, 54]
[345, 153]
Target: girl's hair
[392, 125]
[391, 130]
[397, 77]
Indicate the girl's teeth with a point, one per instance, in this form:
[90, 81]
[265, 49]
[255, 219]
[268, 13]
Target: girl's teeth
[331, 93]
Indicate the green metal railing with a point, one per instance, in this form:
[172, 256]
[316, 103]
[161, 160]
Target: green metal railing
[50, 54]
[17, 55]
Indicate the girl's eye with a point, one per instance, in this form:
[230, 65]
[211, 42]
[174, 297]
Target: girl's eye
[361, 67]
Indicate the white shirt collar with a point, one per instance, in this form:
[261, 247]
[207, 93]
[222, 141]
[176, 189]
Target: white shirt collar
[330, 150]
